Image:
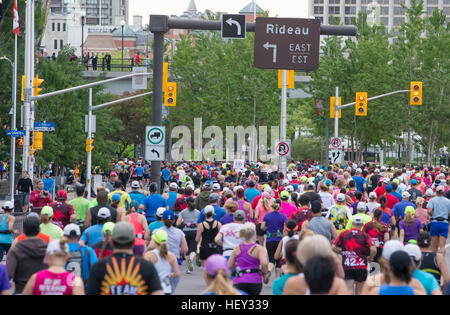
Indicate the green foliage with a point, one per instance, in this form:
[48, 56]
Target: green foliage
[306, 148]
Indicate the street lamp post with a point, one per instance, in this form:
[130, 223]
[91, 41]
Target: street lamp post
[122, 23]
[12, 164]
[172, 44]
[82, 38]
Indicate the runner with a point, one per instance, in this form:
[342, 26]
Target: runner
[152, 227]
[303, 213]
[24, 187]
[326, 197]
[251, 192]
[91, 215]
[231, 208]
[318, 224]
[124, 197]
[291, 233]
[287, 208]
[339, 214]
[206, 233]
[140, 228]
[219, 212]
[80, 204]
[55, 280]
[433, 263]
[229, 235]
[172, 196]
[427, 280]
[187, 221]
[248, 261]
[152, 203]
[93, 234]
[164, 261]
[7, 231]
[47, 227]
[108, 275]
[273, 224]
[319, 275]
[372, 204]
[361, 211]
[292, 266]
[409, 226]
[217, 276]
[27, 256]
[378, 231]
[354, 245]
[63, 213]
[439, 209]
[263, 207]
[136, 194]
[104, 248]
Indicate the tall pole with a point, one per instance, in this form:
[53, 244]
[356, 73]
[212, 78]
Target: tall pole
[158, 59]
[27, 89]
[12, 166]
[82, 39]
[327, 141]
[89, 154]
[336, 112]
[283, 162]
[122, 48]
[170, 118]
[32, 103]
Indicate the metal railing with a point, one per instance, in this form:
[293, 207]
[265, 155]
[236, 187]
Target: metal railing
[115, 65]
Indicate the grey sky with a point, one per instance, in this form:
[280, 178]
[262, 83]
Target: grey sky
[280, 8]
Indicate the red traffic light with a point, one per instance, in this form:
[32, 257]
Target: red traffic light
[170, 88]
[361, 98]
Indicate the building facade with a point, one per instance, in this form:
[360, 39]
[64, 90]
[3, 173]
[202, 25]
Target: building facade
[389, 12]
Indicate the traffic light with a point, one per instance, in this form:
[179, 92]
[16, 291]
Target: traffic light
[23, 86]
[332, 103]
[38, 137]
[36, 83]
[89, 146]
[289, 77]
[20, 142]
[415, 93]
[170, 96]
[361, 104]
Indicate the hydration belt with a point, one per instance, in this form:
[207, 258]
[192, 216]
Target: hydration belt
[276, 234]
[440, 219]
[239, 273]
[5, 232]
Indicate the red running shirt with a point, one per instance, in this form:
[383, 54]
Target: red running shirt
[355, 246]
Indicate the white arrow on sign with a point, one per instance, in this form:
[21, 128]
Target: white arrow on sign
[230, 22]
[267, 46]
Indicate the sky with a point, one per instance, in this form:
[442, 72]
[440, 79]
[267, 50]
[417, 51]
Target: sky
[280, 8]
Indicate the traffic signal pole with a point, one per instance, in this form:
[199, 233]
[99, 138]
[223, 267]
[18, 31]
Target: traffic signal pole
[283, 159]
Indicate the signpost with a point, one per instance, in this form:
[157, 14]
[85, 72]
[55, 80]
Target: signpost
[283, 148]
[336, 143]
[155, 143]
[286, 43]
[336, 156]
[234, 26]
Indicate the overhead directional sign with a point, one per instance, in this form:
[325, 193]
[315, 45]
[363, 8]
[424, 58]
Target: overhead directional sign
[287, 43]
[44, 126]
[15, 133]
[233, 26]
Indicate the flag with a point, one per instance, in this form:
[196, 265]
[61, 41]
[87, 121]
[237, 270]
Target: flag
[16, 29]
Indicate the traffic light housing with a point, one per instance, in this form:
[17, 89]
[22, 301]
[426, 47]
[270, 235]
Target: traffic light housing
[38, 137]
[89, 146]
[36, 83]
[332, 104]
[165, 75]
[416, 93]
[170, 96]
[23, 86]
[20, 142]
[289, 77]
[361, 104]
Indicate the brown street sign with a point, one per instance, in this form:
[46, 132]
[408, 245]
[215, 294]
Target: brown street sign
[287, 43]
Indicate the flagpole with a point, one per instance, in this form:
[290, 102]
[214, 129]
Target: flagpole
[12, 165]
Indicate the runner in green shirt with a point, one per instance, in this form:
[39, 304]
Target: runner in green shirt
[362, 209]
[80, 204]
[47, 227]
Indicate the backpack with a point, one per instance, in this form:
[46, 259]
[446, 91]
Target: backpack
[75, 263]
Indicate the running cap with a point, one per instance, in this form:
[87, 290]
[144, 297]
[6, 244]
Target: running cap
[358, 220]
[8, 205]
[377, 170]
[396, 180]
[340, 197]
[216, 186]
[173, 185]
[268, 189]
[290, 188]
[413, 251]
[48, 211]
[62, 194]
[108, 226]
[391, 247]
[413, 182]
[410, 210]
[440, 189]
[54, 247]
[135, 184]
[113, 174]
[168, 215]
[214, 197]
[236, 188]
[284, 194]
[429, 192]
[209, 209]
[328, 182]
[214, 263]
[104, 213]
[266, 195]
[388, 187]
[358, 170]
[386, 180]
[115, 197]
[239, 215]
[160, 211]
[361, 206]
[373, 195]
[160, 236]
[406, 195]
[72, 230]
[123, 233]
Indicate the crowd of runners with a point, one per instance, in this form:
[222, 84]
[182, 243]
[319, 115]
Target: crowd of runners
[355, 229]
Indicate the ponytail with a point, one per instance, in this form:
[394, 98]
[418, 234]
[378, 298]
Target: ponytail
[377, 216]
[105, 243]
[220, 284]
[45, 219]
[163, 250]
